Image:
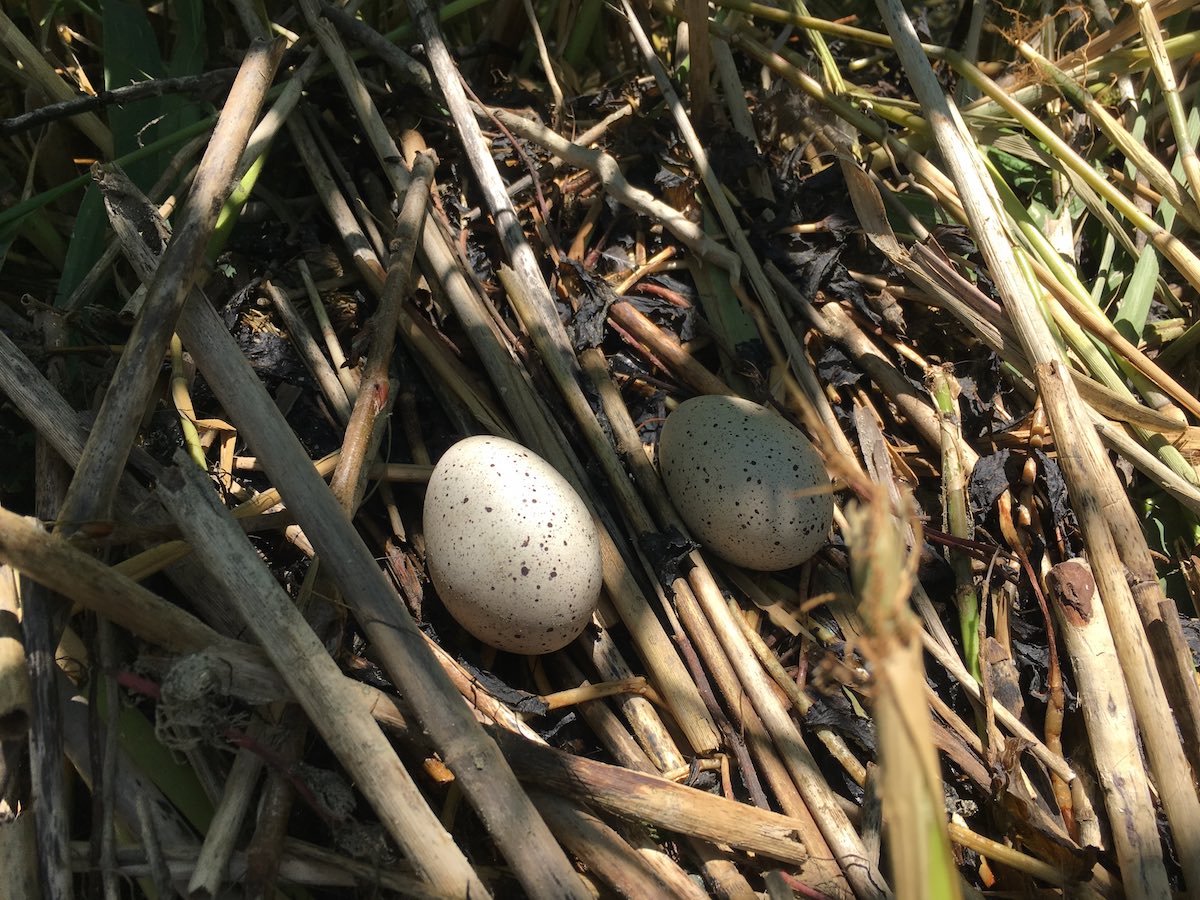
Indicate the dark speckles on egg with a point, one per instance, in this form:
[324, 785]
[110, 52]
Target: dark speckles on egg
[746, 492]
[502, 577]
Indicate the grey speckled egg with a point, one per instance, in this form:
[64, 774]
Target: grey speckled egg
[747, 483]
[511, 548]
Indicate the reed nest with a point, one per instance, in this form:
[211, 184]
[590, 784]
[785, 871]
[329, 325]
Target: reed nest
[264, 263]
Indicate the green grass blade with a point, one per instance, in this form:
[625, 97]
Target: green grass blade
[87, 244]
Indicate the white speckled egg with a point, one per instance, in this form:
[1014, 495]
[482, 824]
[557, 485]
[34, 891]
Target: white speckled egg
[511, 547]
[747, 483]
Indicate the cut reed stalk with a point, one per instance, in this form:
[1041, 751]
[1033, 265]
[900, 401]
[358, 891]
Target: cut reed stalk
[1112, 732]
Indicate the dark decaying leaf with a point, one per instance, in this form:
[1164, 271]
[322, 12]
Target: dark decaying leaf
[667, 552]
[989, 479]
[979, 383]
[753, 360]
[549, 734]
[1191, 633]
[732, 155]
[517, 700]
[648, 412]
[997, 472]
[587, 327]
[678, 319]
[834, 711]
[269, 353]
[669, 178]
[836, 368]
[1032, 655]
[810, 265]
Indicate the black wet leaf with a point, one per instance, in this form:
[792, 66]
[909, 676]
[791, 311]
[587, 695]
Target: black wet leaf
[1191, 633]
[515, 699]
[1030, 652]
[732, 155]
[810, 266]
[1001, 470]
[621, 363]
[480, 259]
[1056, 488]
[835, 368]
[667, 178]
[815, 266]
[980, 387]
[232, 310]
[989, 480]
[834, 711]
[955, 240]
[753, 358]
[702, 779]
[588, 324]
[683, 289]
[551, 733]
[681, 320]
[649, 412]
[667, 552]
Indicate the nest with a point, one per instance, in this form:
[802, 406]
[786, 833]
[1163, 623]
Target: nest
[280, 313]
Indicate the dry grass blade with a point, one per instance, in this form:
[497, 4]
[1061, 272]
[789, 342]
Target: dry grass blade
[1161, 64]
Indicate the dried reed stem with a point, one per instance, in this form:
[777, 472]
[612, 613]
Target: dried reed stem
[14, 680]
[486, 779]
[883, 571]
[375, 396]
[1112, 732]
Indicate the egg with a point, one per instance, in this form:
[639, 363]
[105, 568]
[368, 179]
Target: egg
[748, 485]
[511, 547]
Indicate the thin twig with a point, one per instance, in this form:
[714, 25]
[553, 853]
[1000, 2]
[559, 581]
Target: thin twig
[375, 397]
[203, 84]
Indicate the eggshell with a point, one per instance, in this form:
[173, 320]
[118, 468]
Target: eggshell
[510, 546]
[748, 485]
